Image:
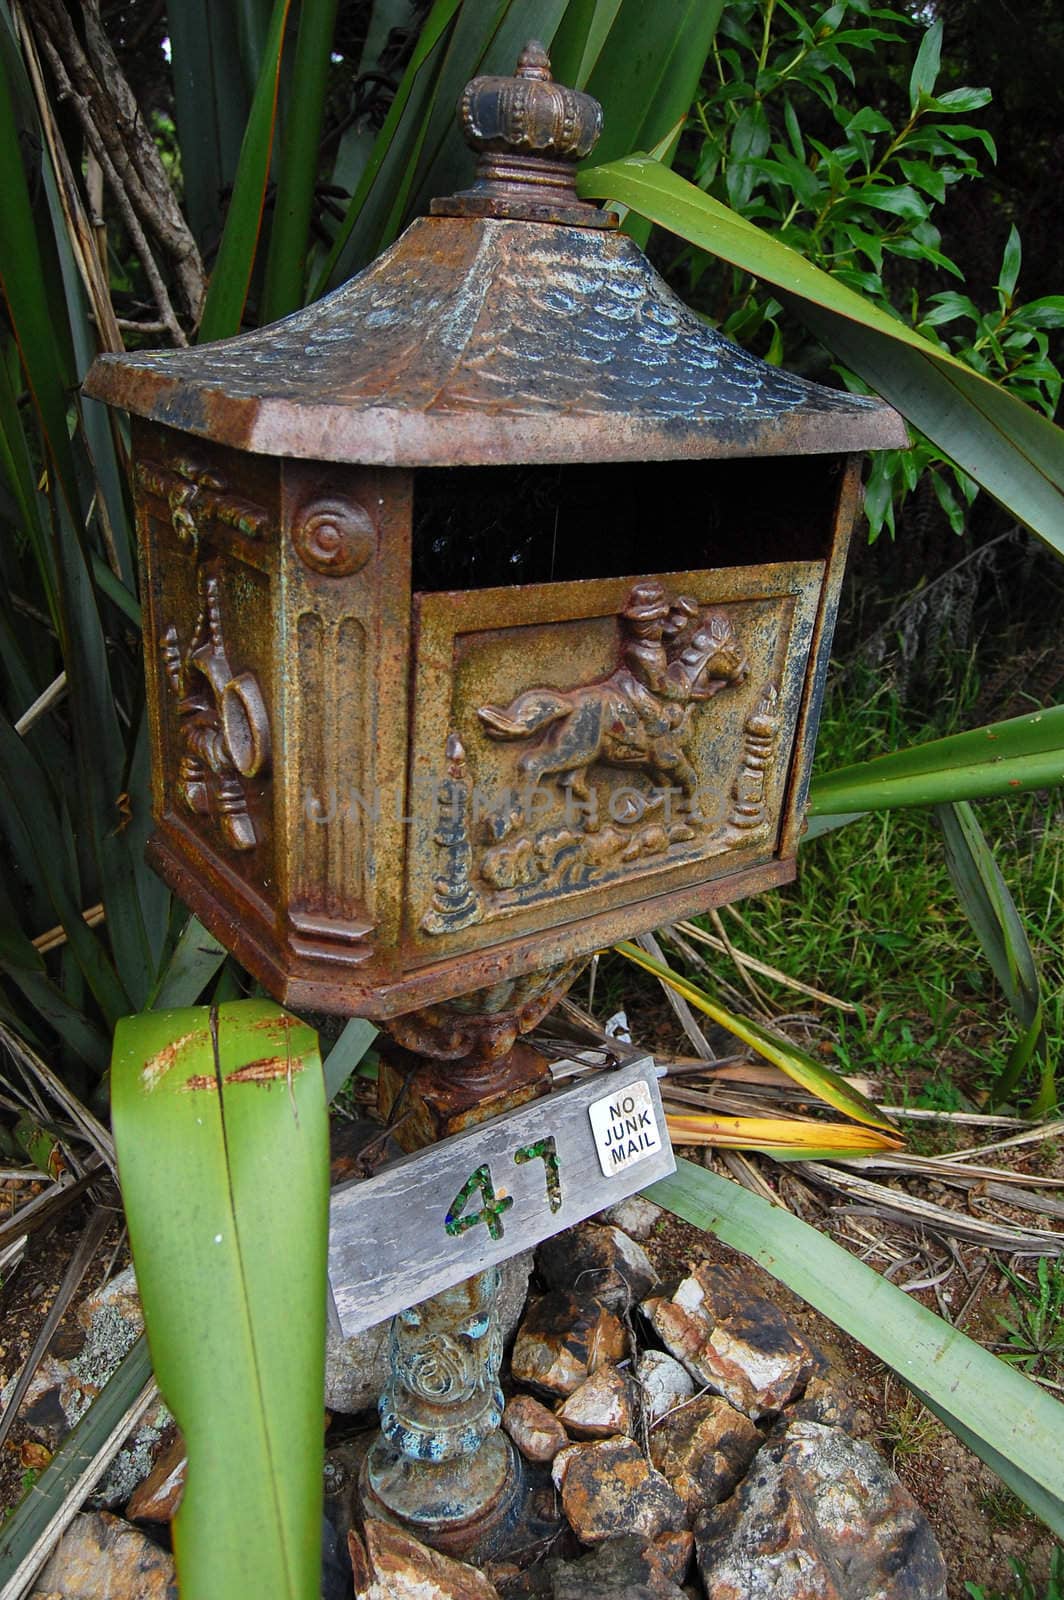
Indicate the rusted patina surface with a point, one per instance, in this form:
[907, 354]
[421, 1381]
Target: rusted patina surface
[488, 340]
[382, 799]
[476, 333]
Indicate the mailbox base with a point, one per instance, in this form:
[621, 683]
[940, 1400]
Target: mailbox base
[427, 1100]
[475, 1508]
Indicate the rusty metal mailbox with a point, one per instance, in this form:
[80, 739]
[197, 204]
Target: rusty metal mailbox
[488, 604]
[488, 601]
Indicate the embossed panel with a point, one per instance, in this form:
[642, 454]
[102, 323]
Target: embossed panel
[577, 746]
[207, 521]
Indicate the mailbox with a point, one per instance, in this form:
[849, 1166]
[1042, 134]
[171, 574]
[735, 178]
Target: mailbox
[488, 600]
[487, 610]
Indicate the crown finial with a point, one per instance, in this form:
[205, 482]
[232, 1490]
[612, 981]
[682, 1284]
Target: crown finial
[534, 62]
[529, 132]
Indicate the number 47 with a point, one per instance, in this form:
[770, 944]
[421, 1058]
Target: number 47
[491, 1211]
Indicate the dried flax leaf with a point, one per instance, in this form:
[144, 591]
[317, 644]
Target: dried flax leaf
[899, 1206]
[743, 959]
[681, 1009]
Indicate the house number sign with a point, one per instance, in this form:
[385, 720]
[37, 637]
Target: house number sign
[438, 1216]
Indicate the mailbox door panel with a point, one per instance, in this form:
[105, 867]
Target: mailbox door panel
[578, 747]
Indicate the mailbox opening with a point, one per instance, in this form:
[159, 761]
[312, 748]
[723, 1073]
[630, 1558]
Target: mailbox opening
[485, 527]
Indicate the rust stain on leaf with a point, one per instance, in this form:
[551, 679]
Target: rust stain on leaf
[201, 1080]
[282, 1024]
[265, 1069]
[158, 1065]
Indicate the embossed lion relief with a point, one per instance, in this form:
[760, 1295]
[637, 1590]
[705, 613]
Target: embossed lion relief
[674, 656]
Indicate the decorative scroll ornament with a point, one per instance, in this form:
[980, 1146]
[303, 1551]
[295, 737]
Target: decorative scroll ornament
[443, 1398]
[195, 495]
[333, 536]
[224, 722]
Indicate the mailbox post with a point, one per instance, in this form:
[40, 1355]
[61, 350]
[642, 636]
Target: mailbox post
[487, 609]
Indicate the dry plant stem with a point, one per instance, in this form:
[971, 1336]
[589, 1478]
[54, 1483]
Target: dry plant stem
[80, 1262]
[679, 1005]
[44, 701]
[876, 1199]
[742, 959]
[119, 138]
[54, 937]
[91, 1129]
[745, 1172]
[137, 236]
[42, 1210]
[83, 242]
[1045, 1130]
[27, 1569]
[741, 967]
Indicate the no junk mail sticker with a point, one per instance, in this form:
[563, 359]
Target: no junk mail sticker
[625, 1127]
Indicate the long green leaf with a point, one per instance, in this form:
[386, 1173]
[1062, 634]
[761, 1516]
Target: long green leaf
[196, 958]
[344, 1057]
[222, 1136]
[1012, 450]
[647, 70]
[298, 164]
[1006, 1419]
[998, 926]
[24, 281]
[826, 1084]
[1001, 758]
[391, 160]
[212, 96]
[231, 277]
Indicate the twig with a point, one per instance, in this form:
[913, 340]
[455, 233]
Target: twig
[47, 697]
[742, 959]
[67, 92]
[80, 1262]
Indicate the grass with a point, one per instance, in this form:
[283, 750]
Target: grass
[874, 919]
[909, 1430]
[1024, 1587]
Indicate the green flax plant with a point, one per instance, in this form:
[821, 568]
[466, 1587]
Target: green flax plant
[88, 935]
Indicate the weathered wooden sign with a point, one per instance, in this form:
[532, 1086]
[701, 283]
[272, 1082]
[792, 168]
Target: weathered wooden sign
[438, 1216]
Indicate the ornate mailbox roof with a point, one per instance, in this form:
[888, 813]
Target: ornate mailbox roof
[513, 325]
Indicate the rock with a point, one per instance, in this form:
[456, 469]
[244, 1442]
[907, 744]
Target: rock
[609, 1488]
[729, 1336]
[626, 1568]
[601, 1407]
[597, 1260]
[393, 1565]
[821, 1517]
[356, 1369]
[535, 1431]
[563, 1339]
[102, 1555]
[663, 1381]
[822, 1402]
[64, 1386]
[703, 1450]
[638, 1217]
[116, 1305]
[158, 1497]
[670, 1554]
